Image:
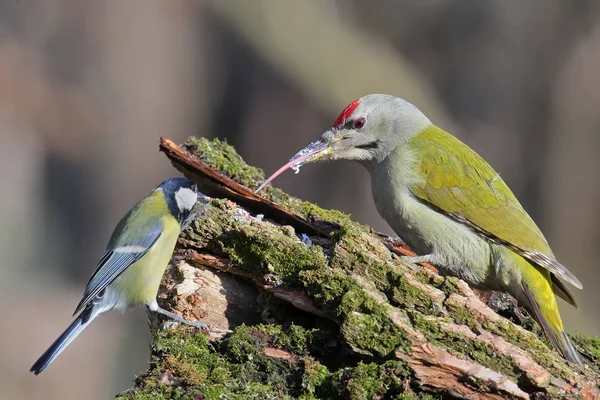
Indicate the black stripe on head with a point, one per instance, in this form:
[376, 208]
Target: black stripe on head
[369, 146]
[181, 196]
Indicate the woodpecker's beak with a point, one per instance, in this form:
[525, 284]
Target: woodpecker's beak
[312, 152]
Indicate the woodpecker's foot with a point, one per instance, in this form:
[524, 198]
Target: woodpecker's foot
[418, 259]
[423, 261]
[506, 305]
[176, 318]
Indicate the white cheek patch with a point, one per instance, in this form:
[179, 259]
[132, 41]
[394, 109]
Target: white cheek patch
[186, 199]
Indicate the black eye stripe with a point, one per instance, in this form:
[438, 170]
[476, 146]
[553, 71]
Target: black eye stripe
[369, 146]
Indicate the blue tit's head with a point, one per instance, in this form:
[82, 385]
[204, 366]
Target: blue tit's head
[181, 195]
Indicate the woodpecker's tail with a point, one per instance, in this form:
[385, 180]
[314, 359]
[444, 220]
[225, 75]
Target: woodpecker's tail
[542, 304]
[80, 323]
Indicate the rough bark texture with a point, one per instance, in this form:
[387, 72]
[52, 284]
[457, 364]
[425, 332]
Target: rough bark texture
[304, 303]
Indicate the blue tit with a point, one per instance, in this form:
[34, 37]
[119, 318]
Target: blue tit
[131, 269]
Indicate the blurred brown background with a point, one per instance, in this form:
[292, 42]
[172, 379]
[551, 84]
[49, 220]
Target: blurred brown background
[87, 88]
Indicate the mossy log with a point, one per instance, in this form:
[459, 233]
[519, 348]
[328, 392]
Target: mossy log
[304, 303]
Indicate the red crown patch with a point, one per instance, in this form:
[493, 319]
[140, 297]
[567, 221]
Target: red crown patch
[345, 114]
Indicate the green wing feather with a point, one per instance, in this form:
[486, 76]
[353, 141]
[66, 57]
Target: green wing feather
[139, 230]
[464, 186]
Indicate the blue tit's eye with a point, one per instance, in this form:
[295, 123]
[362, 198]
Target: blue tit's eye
[360, 123]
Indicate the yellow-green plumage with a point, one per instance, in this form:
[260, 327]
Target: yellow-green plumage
[139, 282]
[448, 205]
[131, 268]
[459, 183]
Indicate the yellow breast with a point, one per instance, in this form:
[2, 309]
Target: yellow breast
[140, 281]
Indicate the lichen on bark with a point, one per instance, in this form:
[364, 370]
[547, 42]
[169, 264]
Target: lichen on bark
[333, 312]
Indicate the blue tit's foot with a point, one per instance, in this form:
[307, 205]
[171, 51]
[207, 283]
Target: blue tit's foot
[176, 318]
[170, 324]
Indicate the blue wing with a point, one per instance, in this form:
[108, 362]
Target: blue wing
[119, 255]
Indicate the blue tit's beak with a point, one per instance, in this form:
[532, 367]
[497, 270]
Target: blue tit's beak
[203, 199]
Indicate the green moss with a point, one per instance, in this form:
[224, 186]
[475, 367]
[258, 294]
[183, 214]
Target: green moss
[395, 374]
[214, 220]
[371, 381]
[294, 339]
[589, 347]
[236, 368]
[152, 389]
[314, 212]
[407, 296]
[280, 197]
[362, 382]
[186, 365]
[316, 378]
[307, 209]
[355, 252]
[449, 285]
[327, 287]
[479, 352]
[277, 253]
[182, 352]
[539, 351]
[462, 316]
[367, 326]
[223, 157]
[366, 323]
[535, 344]
[259, 248]
[245, 345]
[429, 278]
[244, 350]
[352, 231]
[299, 340]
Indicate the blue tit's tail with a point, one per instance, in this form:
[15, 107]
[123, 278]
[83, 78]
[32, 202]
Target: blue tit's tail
[80, 323]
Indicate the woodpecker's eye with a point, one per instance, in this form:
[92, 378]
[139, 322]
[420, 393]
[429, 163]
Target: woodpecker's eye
[359, 123]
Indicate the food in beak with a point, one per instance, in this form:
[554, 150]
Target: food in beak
[304, 156]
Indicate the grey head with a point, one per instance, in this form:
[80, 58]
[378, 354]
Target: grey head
[181, 195]
[369, 128]
[367, 131]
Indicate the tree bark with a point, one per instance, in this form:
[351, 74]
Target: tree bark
[304, 303]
